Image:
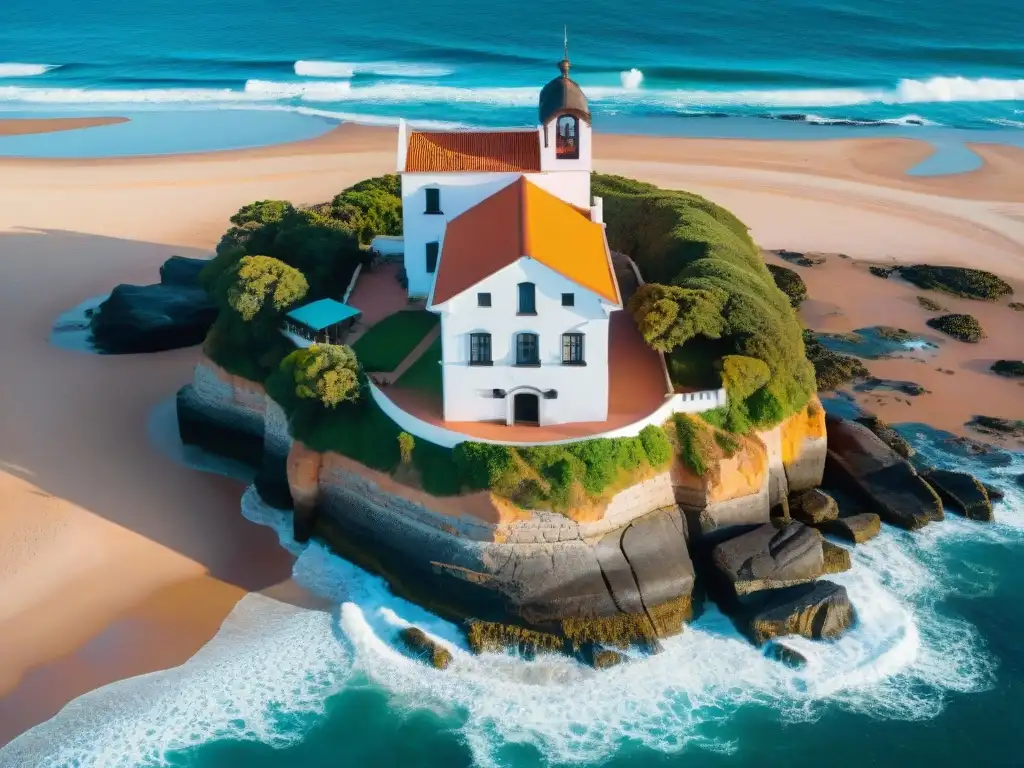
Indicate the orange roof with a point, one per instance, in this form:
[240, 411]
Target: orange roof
[501, 151]
[524, 220]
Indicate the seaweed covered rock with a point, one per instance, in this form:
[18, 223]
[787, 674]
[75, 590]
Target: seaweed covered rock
[994, 425]
[886, 434]
[417, 641]
[930, 304]
[831, 369]
[1011, 368]
[961, 492]
[860, 463]
[957, 281]
[837, 559]
[786, 655]
[960, 327]
[770, 558]
[606, 659]
[855, 528]
[790, 283]
[819, 611]
[813, 506]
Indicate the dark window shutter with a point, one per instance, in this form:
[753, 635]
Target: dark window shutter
[432, 250]
[433, 200]
[527, 299]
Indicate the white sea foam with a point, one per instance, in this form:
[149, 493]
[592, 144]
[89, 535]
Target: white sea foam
[1006, 122]
[270, 661]
[14, 93]
[385, 68]
[14, 69]
[631, 79]
[316, 90]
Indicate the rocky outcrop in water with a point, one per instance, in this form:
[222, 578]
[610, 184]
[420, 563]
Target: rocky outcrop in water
[420, 644]
[770, 558]
[813, 507]
[170, 314]
[961, 492]
[819, 611]
[855, 528]
[861, 464]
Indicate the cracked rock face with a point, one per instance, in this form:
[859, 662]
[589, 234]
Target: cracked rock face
[819, 611]
[813, 507]
[770, 558]
[855, 528]
[962, 492]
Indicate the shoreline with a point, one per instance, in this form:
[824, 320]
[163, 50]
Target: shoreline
[90, 509]
[26, 126]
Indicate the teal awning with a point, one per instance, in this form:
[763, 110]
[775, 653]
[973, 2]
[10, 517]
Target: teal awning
[320, 314]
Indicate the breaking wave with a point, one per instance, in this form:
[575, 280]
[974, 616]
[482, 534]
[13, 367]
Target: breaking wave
[13, 69]
[382, 68]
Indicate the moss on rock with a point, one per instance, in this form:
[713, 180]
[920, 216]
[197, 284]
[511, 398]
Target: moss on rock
[837, 559]
[960, 327]
[832, 370]
[417, 641]
[930, 304]
[790, 283]
[957, 281]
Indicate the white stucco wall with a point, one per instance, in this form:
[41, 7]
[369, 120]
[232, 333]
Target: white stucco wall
[550, 162]
[468, 389]
[459, 193]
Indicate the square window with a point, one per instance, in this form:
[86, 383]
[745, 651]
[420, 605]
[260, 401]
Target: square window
[433, 200]
[483, 299]
[568, 299]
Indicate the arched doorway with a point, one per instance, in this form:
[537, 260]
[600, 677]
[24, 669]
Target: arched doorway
[526, 408]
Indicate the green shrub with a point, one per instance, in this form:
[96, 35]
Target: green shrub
[483, 465]
[438, 472]
[957, 281]
[696, 443]
[709, 293]
[656, 445]
[260, 284]
[406, 443]
[370, 208]
[326, 373]
[1011, 368]
[790, 283]
[961, 327]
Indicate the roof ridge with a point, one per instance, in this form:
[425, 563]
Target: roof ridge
[525, 243]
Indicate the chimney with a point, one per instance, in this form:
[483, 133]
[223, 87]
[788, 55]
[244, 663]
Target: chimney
[597, 210]
[403, 145]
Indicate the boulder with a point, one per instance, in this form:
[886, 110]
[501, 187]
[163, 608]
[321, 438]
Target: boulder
[819, 611]
[813, 507]
[962, 492]
[858, 461]
[786, 655]
[417, 641]
[837, 559]
[770, 558]
[605, 658]
[152, 318]
[855, 528]
[994, 494]
[181, 270]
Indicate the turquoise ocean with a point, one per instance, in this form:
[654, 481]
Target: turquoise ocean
[932, 674]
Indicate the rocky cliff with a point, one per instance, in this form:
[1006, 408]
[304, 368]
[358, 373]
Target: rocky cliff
[624, 574]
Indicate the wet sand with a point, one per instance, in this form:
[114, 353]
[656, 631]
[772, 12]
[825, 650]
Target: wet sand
[17, 126]
[114, 560]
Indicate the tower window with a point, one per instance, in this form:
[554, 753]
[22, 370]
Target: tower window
[433, 200]
[567, 139]
[432, 250]
[527, 299]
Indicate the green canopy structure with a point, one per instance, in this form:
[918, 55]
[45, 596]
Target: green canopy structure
[324, 321]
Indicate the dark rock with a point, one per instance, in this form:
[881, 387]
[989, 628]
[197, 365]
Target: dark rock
[837, 559]
[151, 318]
[958, 281]
[961, 492]
[855, 528]
[886, 434]
[993, 425]
[860, 463]
[770, 558]
[994, 494]
[883, 272]
[655, 546]
[212, 430]
[786, 655]
[814, 506]
[417, 641]
[182, 271]
[961, 327]
[819, 611]
[1009, 368]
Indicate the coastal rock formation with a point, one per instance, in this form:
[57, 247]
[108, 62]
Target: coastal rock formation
[854, 528]
[770, 558]
[173, 313]
[418, 643]
[819, 611]
[962, 492]
[814, 507]
[860, 463]
[837, 559]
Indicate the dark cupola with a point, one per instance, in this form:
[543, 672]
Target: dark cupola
[563, 96]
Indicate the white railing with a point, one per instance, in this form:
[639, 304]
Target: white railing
[688, 402]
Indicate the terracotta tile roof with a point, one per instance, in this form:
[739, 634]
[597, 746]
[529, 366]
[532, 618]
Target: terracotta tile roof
[500, 151]
[524, 220]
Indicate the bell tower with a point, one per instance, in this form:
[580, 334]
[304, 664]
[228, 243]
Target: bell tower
[565, 129]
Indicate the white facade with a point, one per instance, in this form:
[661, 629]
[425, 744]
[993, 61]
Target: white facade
[580, 392]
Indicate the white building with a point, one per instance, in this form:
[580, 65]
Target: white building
[502, 236]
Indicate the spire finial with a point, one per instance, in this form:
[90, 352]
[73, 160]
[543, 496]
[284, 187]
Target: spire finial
[563, 65]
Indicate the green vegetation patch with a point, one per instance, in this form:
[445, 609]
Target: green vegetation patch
[385, 345]
[708, 287]
[1010, 368]
[417, 641]
[889, 333]
[790, 283]
[425, 373]
[961, 327]
[957, 281]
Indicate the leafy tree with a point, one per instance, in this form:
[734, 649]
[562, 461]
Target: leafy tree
[328, 374]
[258, 284]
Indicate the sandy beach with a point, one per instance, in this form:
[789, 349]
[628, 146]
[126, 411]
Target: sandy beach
[114, 560]
[23, 126]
